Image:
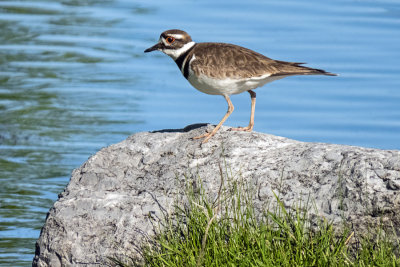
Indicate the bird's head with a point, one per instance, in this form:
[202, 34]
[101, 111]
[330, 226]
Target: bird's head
[173, 43]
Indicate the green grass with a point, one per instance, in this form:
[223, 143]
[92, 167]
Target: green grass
[226, 232]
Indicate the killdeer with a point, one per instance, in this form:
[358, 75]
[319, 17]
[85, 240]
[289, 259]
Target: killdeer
[226, 69]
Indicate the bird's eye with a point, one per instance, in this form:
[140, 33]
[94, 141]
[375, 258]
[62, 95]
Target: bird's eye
[170, 39]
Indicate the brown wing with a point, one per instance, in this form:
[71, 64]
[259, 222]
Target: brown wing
[232, 61]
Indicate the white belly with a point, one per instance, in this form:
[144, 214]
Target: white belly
[228, 86]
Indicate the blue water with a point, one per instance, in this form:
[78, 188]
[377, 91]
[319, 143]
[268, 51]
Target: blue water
[74, 78]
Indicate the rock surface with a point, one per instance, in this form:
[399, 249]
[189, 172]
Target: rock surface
[104, 210]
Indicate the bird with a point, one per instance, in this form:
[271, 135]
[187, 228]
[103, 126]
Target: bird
[225, 69]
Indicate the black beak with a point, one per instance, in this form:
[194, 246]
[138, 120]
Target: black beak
[157, 46]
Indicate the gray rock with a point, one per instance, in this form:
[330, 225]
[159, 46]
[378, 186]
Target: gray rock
[105, 209]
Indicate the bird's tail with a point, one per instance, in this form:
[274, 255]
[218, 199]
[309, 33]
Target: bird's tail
[296, 68]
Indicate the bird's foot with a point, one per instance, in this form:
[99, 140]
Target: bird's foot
[206, 135]
[246, 129]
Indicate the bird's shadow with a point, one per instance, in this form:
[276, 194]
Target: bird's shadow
[183, 130]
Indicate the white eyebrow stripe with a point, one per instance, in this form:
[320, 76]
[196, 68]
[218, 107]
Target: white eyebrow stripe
[176, 36]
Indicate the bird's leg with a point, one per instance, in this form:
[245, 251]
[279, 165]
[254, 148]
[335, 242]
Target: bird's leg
[229, 112]
[249, 128]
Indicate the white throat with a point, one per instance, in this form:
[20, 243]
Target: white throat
[175, 53]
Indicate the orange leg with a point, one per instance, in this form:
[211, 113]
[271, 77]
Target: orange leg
[249, 128]
[228, 113]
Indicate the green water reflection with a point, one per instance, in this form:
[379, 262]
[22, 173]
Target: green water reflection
[51, 121]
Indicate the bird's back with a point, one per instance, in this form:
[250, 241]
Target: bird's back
[222, 60]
